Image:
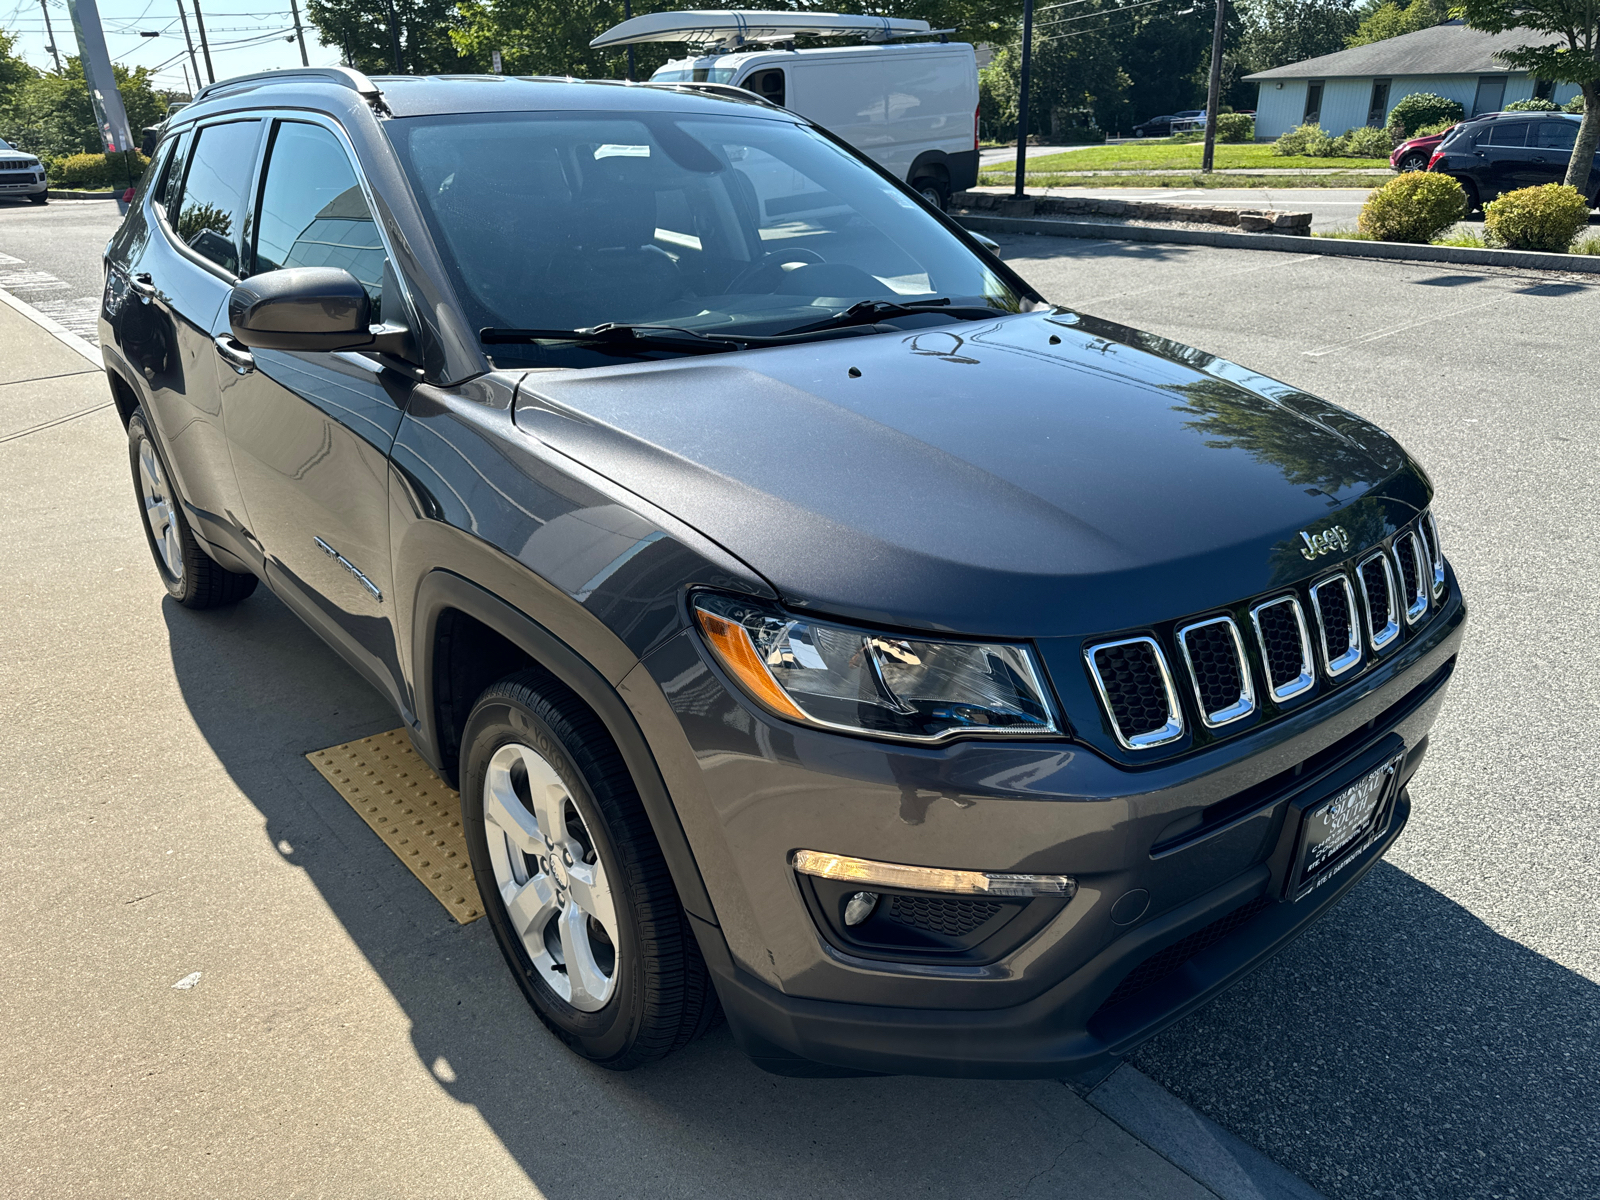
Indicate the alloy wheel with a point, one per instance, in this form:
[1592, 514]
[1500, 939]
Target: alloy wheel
[550, 877]
[159, 511]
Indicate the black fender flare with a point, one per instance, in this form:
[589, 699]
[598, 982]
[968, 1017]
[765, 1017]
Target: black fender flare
[441, 590]
[930, 162]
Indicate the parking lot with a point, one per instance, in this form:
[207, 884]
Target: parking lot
[1434, 1037]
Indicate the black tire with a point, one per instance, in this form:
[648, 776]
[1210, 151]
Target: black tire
[662, 996]
[192, 577]
[1474, 204]
[1415, 161]
[39, 198]
[934, 190]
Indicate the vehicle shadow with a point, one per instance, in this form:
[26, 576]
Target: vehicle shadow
[1402, 1047]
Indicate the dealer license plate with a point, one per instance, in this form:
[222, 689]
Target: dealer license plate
[1334, 833]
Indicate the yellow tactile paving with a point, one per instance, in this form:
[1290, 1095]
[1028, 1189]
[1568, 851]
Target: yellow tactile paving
[416, 813]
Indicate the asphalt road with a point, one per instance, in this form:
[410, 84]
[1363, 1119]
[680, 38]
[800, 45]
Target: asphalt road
[1438, 1035]
[50, 257]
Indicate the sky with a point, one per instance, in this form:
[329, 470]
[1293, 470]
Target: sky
[249, 27]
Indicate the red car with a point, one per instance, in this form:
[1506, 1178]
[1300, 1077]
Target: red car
[1414, 155]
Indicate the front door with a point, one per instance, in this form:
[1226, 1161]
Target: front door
[311, 432]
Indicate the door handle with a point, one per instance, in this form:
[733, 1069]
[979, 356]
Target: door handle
[233, 352]
[143, 286]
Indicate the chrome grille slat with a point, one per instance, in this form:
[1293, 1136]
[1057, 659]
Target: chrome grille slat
[1430, 535]
[1334, 602]
[1285, 678]
[1131, 676]
[1376, 577]
[1410, 563]
[1218, 670]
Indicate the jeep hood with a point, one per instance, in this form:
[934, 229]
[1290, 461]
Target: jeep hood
[1034, 475]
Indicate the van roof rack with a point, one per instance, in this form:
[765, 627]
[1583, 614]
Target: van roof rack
[729, 29]
[345, 76]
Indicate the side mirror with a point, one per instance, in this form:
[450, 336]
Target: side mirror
[302, 308]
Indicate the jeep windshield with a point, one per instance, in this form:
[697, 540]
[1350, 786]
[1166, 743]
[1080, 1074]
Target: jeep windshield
[743, 226]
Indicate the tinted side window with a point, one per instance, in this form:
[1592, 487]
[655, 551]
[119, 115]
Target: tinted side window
[172, 181]
[1509, 133]
[215, 189]
[313, 212]
[1556, 135]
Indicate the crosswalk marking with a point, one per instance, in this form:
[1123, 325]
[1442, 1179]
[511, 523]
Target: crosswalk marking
[79, 315]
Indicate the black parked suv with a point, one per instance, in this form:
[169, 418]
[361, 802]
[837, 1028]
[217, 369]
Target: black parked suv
[1502, 152]
[818, 624]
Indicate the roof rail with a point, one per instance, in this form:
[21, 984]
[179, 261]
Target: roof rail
[729, 90]
[344, 76]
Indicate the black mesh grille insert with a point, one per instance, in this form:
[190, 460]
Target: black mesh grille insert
[1280, 643]
[1131, 676]
[1215, 661]
[1405, 552]
[1376, 582]
[936, 914]
[1333, 602]
[1164, 962]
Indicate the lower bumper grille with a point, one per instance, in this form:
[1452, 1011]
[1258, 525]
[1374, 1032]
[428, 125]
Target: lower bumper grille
[1168, 960]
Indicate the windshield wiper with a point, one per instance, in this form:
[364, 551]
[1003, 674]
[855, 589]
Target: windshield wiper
[615, 337]
[869, 312]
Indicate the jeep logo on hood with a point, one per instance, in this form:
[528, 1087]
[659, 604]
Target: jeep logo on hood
[1326, 542]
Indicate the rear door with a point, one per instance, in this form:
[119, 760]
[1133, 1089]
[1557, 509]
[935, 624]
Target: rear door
[311, 432]
[1549, 153]
[179, 277]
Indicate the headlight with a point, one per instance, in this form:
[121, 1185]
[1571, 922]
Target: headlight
[883, 684]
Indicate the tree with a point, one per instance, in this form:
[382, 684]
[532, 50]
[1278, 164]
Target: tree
[1570, 55]
[14, 70]
[1291, 31]
[425, 29]
[1394, 17]
[50, 115]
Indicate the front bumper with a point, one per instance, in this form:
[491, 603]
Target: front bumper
[28, 188]
[762, 788]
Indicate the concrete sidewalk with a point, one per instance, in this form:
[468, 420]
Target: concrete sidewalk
[341, 1035]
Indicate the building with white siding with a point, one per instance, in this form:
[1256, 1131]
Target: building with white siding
[1359, 86]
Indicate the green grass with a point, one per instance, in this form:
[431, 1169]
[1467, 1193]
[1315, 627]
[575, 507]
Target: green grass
[1587, 245]
[1467, 239]
[1006, 178]
[1165, 155]
[1350, 235]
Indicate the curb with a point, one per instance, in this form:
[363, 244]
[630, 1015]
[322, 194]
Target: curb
[58, 194]
[1196, 1145]
[1291, 243]
[55, 329]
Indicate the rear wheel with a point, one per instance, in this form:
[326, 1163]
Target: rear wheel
[192, 577]
[1474, 204]
[935, 191]
[572, 880]
[1415, 161]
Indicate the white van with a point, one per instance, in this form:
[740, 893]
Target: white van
[913, 109]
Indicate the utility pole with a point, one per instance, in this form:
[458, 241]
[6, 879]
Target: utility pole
[187, 86]
[394, 38]
[205, 46]
[1022, 98]
[189, 42]
[299, 33]
[1214, 93]
[627, 15]
[51, 34]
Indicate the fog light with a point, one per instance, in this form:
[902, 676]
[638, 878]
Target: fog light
[930, 879]
[860, 907]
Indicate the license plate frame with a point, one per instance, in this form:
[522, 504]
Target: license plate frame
[1336, 830]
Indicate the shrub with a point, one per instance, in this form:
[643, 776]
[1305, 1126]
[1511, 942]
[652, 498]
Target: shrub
[1299, 139]
[1362, 142]
[1534, 105]
[97, 170]
[1236, 127]
[1423, 108]
[1415, 207]
[1575, 105]
[1537, 218]
[1437, 127]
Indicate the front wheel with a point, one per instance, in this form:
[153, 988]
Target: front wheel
[192, 577]
[39, 198]
[572, 880]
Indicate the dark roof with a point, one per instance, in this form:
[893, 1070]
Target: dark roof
[1448, 49]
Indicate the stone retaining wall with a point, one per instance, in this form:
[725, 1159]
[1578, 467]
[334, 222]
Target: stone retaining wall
[1249, 220]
